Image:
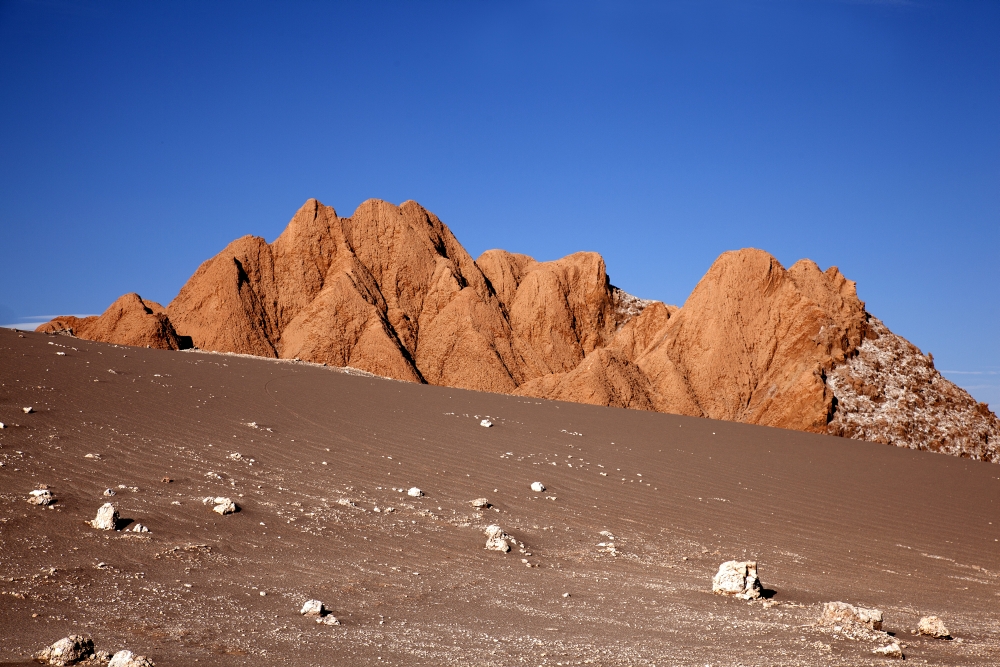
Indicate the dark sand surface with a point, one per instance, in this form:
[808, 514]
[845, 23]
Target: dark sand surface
[911, 533]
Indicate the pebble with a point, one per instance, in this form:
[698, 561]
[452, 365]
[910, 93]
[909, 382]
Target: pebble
[139, 528]
[931, 626]
[496, 539]
[414, 492]
[486, 422]
[106, 519]
[313, 608]
[109, 492]
[480, 503]
[222, 505]
[27, 410]
[41, 497]
[891, 651]
[129, 659]
[537, 487]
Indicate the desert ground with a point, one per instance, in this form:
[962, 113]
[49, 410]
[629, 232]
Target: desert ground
[309, 452]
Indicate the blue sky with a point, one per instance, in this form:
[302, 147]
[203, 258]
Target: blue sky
[139, 138]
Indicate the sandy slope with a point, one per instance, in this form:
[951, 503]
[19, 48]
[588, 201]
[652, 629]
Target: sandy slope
[909, 532]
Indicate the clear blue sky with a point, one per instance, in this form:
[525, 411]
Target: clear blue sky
[138, 138]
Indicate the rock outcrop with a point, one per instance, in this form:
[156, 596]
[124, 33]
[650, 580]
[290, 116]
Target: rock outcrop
[391, 291]
[127, 321]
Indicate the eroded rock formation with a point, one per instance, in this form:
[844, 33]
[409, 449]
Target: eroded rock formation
[391, 291]
[127, 321]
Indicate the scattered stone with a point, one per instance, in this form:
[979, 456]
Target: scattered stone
[129, 659]
[222, 505]
[109, 492]
[496, 539]
[841, 613]
[893, 650]
[27, 410]
[329, 619]
[166, 480]
[415, 492]
[107, 518]
[66, 651]
[480, 503]
[213, 475]
[738, 579]
[313, 608]
[934, 627]
[486, 422]
[92, 456]
[537, 487]
[139, 528]
[41, 497]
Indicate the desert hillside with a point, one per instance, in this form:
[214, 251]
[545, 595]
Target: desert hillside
[611, 563]
[391, 291]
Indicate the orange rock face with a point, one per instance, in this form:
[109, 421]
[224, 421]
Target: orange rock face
[390, 290]
[127, 321]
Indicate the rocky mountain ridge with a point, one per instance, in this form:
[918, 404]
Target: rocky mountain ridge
[391, 291]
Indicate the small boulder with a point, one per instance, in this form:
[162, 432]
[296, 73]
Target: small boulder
[414, 492]
[66, 651]
[222, 505]
[107, 518]
[27, 410]
[496, 539]
[738, 579]
[841, 613]
[110, 492]
[486, 422]
[129, 659]
[329, 619]
[934, 627]
[480, 503]
[139, 528]
[313, 608]
[893, 650]
[537, 487]
[41, 497]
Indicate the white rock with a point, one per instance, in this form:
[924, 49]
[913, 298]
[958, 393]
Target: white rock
[496, 539]
[738, 579]
[480, 503]
[109, 492]
[415, 492]
[129, 659]
[313, 608]
[486, 422]
[893, 650]
[139, 528]
[537, 487]
[933, 626]
[2, 425]
[60, 354]
[66, 651]
[27, 410]
[224, 506]
[107, 518]
[41, 497]
[329, 619]
[841, 613]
